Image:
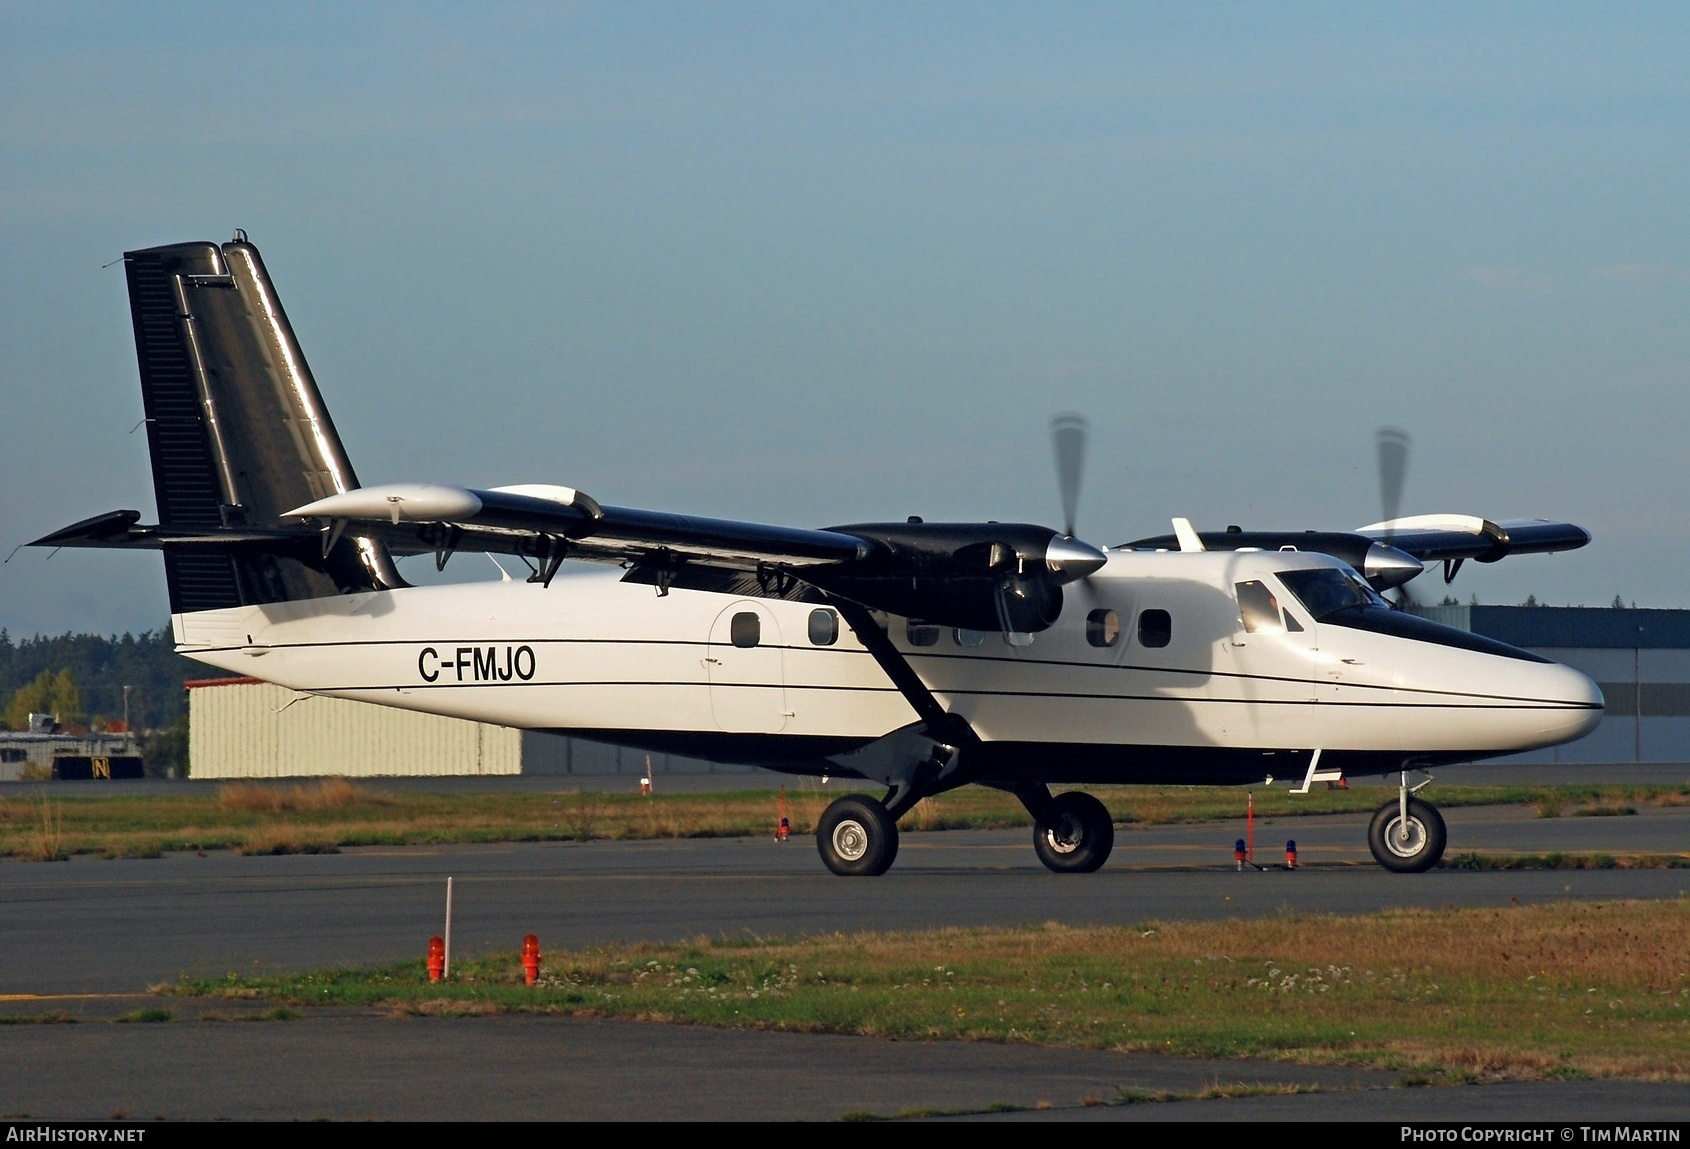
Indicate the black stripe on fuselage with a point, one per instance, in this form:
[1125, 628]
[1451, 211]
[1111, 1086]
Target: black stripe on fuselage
[1130, 668]
[1489, 702]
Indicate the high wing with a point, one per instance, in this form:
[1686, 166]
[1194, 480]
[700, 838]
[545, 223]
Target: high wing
[1391, 553]
[549, 522]
[979, 576]
[1451, 538]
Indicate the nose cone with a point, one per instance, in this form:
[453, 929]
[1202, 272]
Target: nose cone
[1584, 700]
[1386, 567]
[1566, 705]
[1071, 560]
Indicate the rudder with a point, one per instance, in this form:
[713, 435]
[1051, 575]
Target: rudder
[237, 430]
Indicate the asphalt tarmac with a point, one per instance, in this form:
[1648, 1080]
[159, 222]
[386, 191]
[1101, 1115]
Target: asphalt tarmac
[92, 925]
[114, 927]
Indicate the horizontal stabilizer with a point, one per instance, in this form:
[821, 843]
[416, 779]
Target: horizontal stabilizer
[121, 530]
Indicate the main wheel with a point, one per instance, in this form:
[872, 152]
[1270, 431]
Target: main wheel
[1418, 850]
[857, 837]
[1075, 834]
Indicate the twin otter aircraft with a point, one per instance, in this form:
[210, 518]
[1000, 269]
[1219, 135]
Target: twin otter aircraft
[919, 656]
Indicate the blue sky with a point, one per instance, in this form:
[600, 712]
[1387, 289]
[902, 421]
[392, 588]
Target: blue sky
[821, 263]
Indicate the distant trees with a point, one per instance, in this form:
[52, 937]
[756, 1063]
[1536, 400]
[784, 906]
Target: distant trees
[47, 693]
[164, 753]
[99, 668]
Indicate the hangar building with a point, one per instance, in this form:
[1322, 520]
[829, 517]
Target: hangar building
[245, 728]
[45, 751]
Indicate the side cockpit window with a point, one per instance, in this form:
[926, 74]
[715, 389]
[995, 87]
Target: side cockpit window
[1259, 609]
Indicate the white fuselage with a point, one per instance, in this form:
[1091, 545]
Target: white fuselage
[594, 654]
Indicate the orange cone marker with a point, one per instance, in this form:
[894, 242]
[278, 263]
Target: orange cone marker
[531, 958]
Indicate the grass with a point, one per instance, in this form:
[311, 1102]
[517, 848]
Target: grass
[1569, 989]
[1477, 861]
[44, 842]
[332, 813]
[147, 1016]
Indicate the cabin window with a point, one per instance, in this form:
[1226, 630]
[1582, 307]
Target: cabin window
[921, 633]
[1103, 628]
[1258, 608]
[746, 628]
[1155, 628]
[824, 627]
[12, 754]
[1017, 638]
[968, 637]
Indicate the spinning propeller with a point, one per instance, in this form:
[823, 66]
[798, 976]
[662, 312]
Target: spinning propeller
[1068, 439]
[1068, 442]
[1393, 446]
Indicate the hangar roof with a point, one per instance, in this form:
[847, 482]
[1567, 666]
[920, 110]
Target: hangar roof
[1587, 627]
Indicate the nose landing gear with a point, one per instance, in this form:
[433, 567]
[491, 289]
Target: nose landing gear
[1407, 836]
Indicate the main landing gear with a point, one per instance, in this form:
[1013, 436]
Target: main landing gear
[1072, 833]
[857, 837]
[1407, 836]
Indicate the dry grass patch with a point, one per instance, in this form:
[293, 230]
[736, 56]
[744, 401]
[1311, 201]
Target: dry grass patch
[46, 840]
[1540, 991]
[324, 794]
[290, 840]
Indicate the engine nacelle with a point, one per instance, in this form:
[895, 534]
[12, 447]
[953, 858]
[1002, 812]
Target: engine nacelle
[973, 576]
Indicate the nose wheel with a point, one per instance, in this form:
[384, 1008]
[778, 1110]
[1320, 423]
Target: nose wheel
[1407, 836]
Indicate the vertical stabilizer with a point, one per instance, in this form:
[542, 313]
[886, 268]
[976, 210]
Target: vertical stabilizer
[237, 430]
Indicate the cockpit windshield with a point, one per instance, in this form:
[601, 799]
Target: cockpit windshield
[1327, 590]
[1339, 597]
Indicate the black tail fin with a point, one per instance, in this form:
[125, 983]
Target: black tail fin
[237, 430]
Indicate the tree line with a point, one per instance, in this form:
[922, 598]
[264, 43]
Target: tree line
[80, 677]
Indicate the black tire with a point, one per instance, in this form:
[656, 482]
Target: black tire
[1426, 837]
[857, 838]
[1074, 834]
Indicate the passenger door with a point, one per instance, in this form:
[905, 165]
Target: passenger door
[746, 670]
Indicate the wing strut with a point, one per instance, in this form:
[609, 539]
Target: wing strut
[914, 761]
